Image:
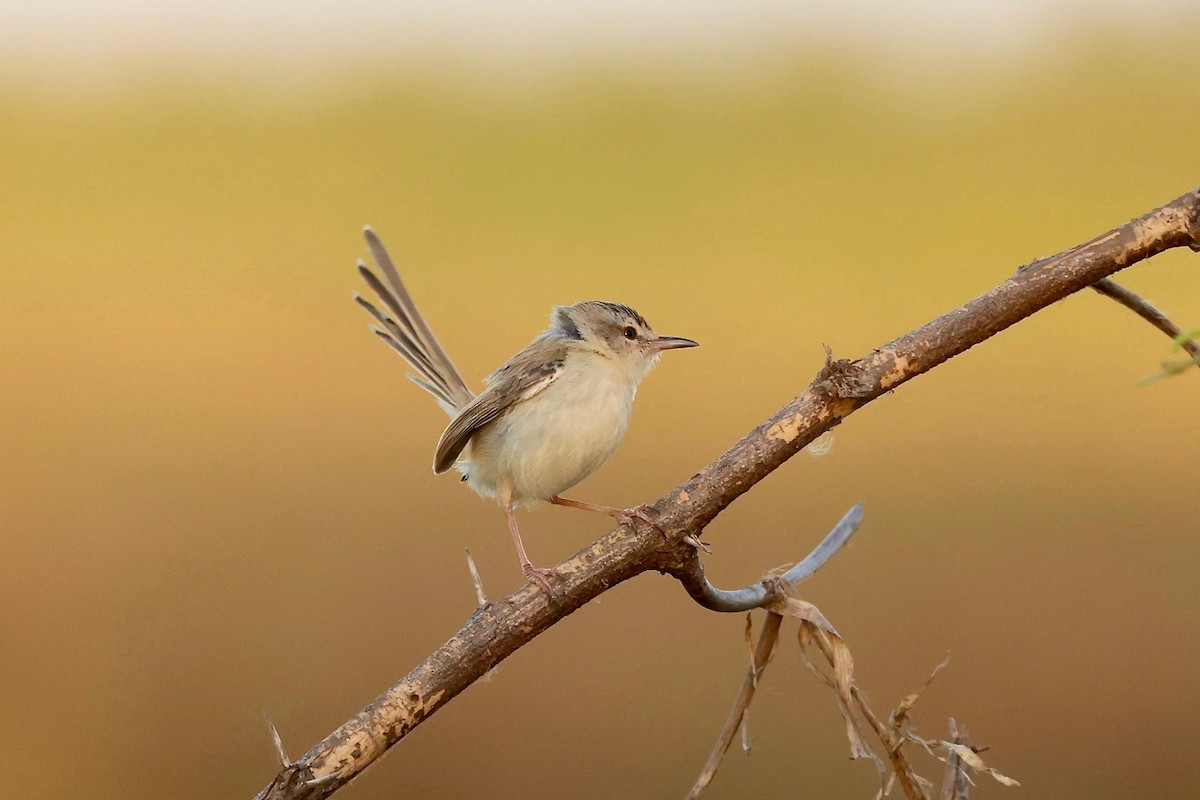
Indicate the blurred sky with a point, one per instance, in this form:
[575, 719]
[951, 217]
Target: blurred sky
[216, 498]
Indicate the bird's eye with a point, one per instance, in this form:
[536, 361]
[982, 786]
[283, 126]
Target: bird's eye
[630, 332]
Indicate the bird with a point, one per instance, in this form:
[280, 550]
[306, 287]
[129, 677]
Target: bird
[547, 417]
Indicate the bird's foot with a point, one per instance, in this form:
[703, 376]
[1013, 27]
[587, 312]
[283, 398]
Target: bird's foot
[540, 576]
[625, 516]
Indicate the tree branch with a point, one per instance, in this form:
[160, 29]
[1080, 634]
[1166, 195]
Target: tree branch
[494, 632]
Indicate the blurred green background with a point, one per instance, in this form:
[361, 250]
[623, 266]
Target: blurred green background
[216, 499]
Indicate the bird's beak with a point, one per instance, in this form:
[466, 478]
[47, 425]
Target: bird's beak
[672, 343]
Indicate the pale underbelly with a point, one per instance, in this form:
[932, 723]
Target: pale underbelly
[543, 447]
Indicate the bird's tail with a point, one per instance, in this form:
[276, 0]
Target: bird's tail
[406, 332]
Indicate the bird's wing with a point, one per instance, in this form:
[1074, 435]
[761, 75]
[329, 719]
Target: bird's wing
[524, 376]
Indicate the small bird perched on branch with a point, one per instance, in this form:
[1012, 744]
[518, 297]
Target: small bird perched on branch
[549, 416]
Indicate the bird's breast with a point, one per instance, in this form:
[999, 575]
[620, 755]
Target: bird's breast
[545, 445]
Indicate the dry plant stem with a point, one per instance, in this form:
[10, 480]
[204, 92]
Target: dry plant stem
[1137, 305]
[762, 654]
[891, 745]
[493, 633]
[956, 785]
[890, 740]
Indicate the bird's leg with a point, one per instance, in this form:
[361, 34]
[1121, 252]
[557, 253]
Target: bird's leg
[538, 575]
[624, 516]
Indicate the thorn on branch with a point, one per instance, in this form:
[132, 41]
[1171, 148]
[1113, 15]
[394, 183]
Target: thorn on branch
[280, 754]
[481, 598]
[476, 580]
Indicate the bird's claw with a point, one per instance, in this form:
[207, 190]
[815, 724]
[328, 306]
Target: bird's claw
[625, 516]
[539, 576]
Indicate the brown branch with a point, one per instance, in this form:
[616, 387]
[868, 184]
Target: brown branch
[762, 654]
[493, 633]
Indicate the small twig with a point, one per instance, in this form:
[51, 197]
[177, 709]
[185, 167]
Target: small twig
[762, 653]
[1113, 290]
[1137, 305]
[760, 594]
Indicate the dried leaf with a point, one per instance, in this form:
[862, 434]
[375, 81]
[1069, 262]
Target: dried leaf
[1004, 779]
[843, 662]
[972, 760]
[900, 715]
[967, 755]
[925, 743]
[808, 664]
[804, 611]
[815, 628]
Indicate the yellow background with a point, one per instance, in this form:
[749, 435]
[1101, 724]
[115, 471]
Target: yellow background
[215, 496]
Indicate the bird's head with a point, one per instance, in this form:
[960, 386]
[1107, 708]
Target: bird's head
[615, 331]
